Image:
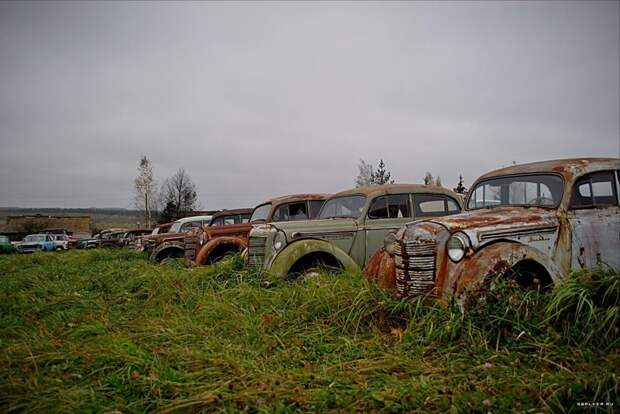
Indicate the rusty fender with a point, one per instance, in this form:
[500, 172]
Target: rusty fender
[491, 259]
[205, 251]
[381, 269]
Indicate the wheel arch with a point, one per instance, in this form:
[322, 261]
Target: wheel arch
[236, 243]
[501, 256]
[163, 250]
[286, 259]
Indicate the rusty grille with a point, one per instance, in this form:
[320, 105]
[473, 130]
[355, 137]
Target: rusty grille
[256, 251]
[189, 245]
[415, 267]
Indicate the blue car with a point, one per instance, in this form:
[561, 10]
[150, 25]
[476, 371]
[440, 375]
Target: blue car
[36, 243]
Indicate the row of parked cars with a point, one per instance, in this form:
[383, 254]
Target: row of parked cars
[537, 221]
[46, 240]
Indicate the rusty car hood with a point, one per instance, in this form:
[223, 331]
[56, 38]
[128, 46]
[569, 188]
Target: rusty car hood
[498, 220]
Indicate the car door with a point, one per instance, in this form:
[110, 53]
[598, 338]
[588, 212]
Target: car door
[594, 218]
[386, 213]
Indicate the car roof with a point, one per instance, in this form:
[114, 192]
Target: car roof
[297, 197]
[568, 167]
[193, 218]
[233, 212]
[394, 189]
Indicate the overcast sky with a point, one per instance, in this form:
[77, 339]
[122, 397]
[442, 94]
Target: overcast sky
[262, 99]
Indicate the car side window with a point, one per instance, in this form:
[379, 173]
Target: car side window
[189, 225]
[219, 221]
[390, 206]
[595, 190]
[291, 212]
[434, 205]
[379, 208]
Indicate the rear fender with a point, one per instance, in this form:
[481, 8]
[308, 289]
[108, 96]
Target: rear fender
[284, 260]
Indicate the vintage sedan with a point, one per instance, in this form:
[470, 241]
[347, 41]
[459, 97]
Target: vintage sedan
[536, 222]
[210, 244]
[350, 227]
[36, 243]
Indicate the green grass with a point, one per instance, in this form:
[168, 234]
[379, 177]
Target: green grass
[97, 331]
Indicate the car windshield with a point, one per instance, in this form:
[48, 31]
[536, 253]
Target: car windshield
[35, 238]
[348, 207]
[541, 190]
[176, 226]
[261, 213]
[4, 239]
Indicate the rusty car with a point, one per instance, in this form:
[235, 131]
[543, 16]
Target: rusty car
[169, 245]
[98, 239]
[350, 227]
[212, 243]
[535, 222]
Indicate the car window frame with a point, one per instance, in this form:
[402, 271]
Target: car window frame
[387, 206]
[614, 187]
[445, 198]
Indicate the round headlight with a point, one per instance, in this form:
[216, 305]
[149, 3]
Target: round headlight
[390, 244]
[277, 245]
[457, 244]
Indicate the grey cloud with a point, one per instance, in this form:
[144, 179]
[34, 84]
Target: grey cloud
[262, 99]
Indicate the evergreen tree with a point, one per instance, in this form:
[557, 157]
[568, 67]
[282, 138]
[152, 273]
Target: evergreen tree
[460, 187]
[381, 176]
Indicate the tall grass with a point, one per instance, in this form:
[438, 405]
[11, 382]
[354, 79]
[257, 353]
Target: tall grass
[103, 331]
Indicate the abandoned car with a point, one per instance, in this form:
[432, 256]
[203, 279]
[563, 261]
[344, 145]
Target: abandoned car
[96, 240]
[157, 244]
[535, 221]
[350, 227]
[35, 243]
[210, 244]
[61, 241]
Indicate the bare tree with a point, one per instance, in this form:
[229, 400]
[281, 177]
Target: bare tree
[145, 190]
[364, 177]
[179, 195]
[368, 176]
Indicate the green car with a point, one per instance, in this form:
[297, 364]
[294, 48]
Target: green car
[5, 245]
[350, 227]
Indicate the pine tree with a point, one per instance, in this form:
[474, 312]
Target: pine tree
[381, 176]
[460, 187]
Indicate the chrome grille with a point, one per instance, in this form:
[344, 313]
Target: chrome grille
[256, 251]
[415, 267]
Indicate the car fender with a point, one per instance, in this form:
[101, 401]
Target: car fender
[167, 245]
[495, 258]
[381, 269]
[286, 258]
[205, 251]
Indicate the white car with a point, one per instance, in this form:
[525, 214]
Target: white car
[61, 241]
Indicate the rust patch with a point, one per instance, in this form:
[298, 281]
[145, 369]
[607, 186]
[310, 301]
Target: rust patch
[381, 269]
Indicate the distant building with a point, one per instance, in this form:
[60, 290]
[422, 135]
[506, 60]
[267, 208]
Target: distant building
[17, 227]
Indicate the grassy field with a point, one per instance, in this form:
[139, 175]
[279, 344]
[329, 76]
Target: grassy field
[99, 331]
